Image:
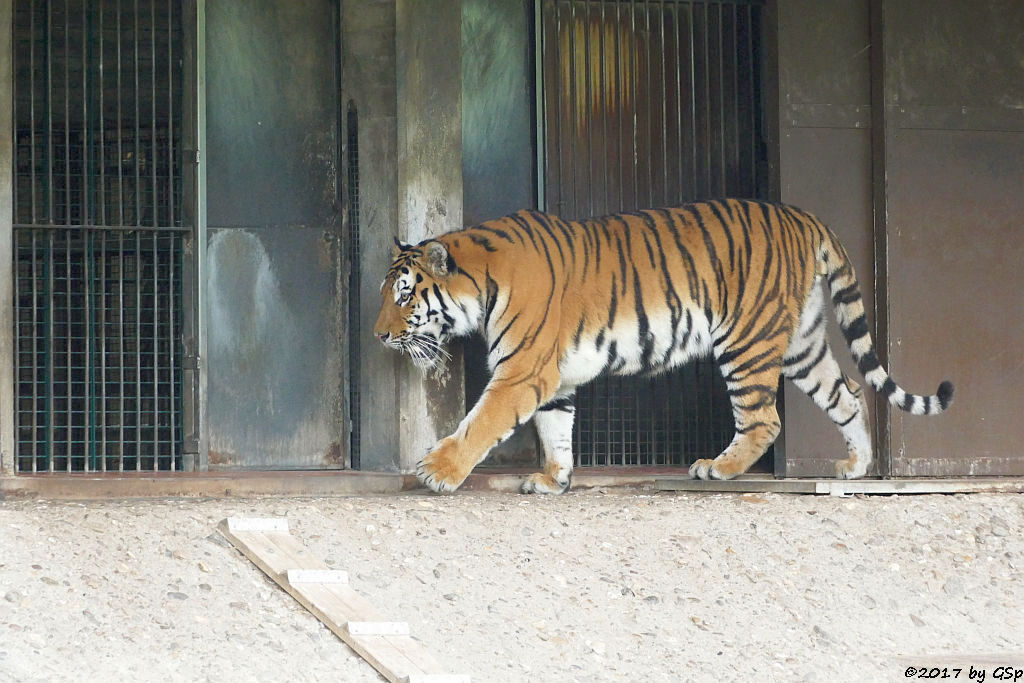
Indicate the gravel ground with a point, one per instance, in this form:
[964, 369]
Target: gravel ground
[610, 585]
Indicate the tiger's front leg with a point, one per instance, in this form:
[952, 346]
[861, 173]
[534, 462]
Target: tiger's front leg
[508, 401]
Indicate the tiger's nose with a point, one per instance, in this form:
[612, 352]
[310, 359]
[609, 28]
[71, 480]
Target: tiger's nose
[383, 336]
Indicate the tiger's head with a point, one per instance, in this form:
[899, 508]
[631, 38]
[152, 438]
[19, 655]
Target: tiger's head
[420, 310]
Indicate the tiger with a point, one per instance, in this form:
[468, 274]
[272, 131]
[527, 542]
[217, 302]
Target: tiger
[561, 302]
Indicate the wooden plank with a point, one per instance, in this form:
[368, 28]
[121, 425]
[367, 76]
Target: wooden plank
[840, 487]
[325, 592]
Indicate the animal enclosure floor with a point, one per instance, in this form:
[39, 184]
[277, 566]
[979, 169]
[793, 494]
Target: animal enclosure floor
[606, 585]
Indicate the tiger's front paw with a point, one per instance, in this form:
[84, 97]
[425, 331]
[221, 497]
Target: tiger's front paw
[542, 482]
[704, 469]
[440, 471]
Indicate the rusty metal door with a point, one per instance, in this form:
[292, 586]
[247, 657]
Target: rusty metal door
[275, 289]
[648, 104]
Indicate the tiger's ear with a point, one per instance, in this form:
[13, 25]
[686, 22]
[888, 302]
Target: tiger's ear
[439, 261]
[399, 248]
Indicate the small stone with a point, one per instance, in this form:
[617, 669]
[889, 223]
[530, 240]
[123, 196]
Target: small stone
[13, 596]
[1000, 531]
[627, 591]
[450, 597]
[652, 599]
[823, 634]
[50, 581]
[177, 595]
[918, 621]
[526, 531]
[239, 606]
[205, 587]
[203, 567]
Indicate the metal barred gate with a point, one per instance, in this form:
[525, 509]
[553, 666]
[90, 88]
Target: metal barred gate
[100, 242]
[646, 104]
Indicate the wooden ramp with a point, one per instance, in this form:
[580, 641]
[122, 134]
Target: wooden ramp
[325, 592]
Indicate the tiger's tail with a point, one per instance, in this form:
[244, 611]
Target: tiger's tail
[849, 308]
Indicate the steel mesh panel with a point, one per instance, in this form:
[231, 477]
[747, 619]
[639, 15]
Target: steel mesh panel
[647, 104]
[98, 235]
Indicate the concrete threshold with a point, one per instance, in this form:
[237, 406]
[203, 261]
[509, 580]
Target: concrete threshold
[92, 486]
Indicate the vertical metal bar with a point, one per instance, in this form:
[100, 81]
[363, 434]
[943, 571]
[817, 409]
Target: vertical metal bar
[155, 220]
[138, 346]
[49, 113]
[620, 105]
[588, 114]
[755, 96]
[35, 347]
[120, 127]
[102, 193]
[880, 218]
[663, 67]
[69, 336]
[137, 189]
[49, 346]
[573, 115]
[605, 108]
[682, 194]
[120, 347]
[156, 349]
[85, 133]
[170, 116]
[649, 106]
[32, 114]
[693, 101]
[88, 447]
[723, 187]
[104, 303]
[634, 81]
[172, 339]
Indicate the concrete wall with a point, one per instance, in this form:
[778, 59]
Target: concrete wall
[397, 69]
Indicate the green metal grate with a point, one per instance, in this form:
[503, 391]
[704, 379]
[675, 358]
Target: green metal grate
[99, 238]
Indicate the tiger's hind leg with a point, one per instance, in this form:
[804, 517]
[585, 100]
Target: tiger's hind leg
[752, 379]
[554, 427]
[810, 365]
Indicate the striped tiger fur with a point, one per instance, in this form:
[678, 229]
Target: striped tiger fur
[562, 302]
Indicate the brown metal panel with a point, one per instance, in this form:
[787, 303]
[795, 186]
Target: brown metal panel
[828, 172]
[955, 52]
[956, 307]
[825, 161]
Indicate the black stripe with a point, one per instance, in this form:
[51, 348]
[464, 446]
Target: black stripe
[566, 404]
[888, 387]
[857, 329]
[848, 420]
[868, 362]
[481, 241]
[492, 298]
[846, 295]
[803, 373]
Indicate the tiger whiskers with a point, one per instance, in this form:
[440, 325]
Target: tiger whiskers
[427, 353]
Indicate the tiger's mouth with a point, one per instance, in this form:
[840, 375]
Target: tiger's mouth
[425, 351]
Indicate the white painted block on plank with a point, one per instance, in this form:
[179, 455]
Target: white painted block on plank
[257, 524]
[378, 628]
[319, 576]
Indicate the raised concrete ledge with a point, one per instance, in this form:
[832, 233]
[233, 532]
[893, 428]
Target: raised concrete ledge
[334, 483]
